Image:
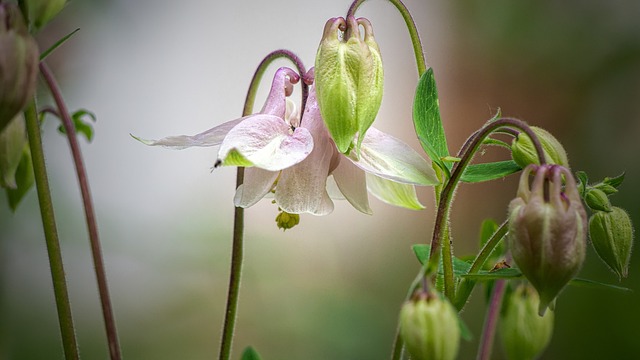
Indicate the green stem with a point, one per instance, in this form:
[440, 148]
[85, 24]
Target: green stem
[92, 227]
[63, 305]
[237, 249]
[418, 52]
[466, 286]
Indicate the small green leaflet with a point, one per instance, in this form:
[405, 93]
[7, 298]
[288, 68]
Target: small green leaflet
[24, 179]
[489, 171]
[427, 122]
[46, 53]
[82, 127]
[460, 267]
[250, 353]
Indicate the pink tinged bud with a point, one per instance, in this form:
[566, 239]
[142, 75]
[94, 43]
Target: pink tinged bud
[547, 230]
[18, 63]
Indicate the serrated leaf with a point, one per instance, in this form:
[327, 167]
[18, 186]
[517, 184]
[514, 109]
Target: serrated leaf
[615, 181]
[460, 267]
[81, 126]
[427, 121]
[24, 180]
[508, 273]
[46, 53]
[250, 353]
[597, 285]
[489, 171]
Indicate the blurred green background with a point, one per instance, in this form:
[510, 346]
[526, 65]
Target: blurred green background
[330, 288]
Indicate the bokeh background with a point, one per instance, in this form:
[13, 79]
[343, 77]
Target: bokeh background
[330, 288]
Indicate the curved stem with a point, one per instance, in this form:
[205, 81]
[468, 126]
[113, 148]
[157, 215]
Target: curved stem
[237, 248]
[96, 251]
[491, 321]
[466, 286]
[441, 227]
[61, 293]
[418, 52]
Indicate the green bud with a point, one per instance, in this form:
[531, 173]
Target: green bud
[18, 63]
[611, 234]
[524, 333]
[596, 199]
[42, 11]
[547, 230]
[524, 153]
[429, 327]
[348, 80]
[12, 140]
[286, 221]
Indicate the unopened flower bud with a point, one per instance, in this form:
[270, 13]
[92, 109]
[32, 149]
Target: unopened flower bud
[286, 221]
[348, 80]
[18, 63]
[524, 333]
[547, 230]
[596, 199]
[524, 152]
[429, 327]
[42, 11]
[12, 140]
[611, 234]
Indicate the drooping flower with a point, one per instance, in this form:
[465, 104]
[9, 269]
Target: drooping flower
[299, 163]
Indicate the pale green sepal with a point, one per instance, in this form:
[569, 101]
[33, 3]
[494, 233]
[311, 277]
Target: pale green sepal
[234, 158]
[393, 193]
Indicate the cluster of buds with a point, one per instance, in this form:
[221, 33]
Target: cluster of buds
[524, 334]
[547, 230]
[429, 327]
[18, 63]
[349, 80]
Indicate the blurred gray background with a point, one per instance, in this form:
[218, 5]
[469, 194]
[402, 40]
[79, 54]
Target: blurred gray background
[330, 288]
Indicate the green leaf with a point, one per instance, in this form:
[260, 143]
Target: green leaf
[250, 353]
[489, 171]
[24, 179]
[465, 333]
[597, 285]
[488, 228]
[615, 181]
[490, 141]
[507, 273]
[46, 53]
[81, 126]
[583, 181]
[427, 122]
[460, 267]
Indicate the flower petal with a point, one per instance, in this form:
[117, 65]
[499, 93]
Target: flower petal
[385, 156]
[352, 183]
[281, 87]
[403, 195]
[211, 137]
[257, 183]
[267, 142]
[302, 188]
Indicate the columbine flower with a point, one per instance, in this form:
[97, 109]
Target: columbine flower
[294, 159]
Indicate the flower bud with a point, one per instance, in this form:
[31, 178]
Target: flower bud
[611, 234]
[18, 63]
[12, 140]
[429, 327]
[42, 11]
[596, 199]
[524, 333]
[524, 153]
[348, 80]
[547, 230]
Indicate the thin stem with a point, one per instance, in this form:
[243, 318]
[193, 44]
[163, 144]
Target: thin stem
[491, 321]
[418, 52]
[441, 227]
[237, 248]
[94, 240]
[466, 286]
[61, 293]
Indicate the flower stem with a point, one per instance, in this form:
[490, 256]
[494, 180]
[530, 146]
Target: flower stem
[418, 52]
[491, 321]
[94, 240]
[61, 293]
[237, 248]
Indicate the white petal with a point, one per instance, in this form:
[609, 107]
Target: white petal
[211, 137]
[352, 183]
[403, 195]
[257, 183]
[265, 141]
[385, 156]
